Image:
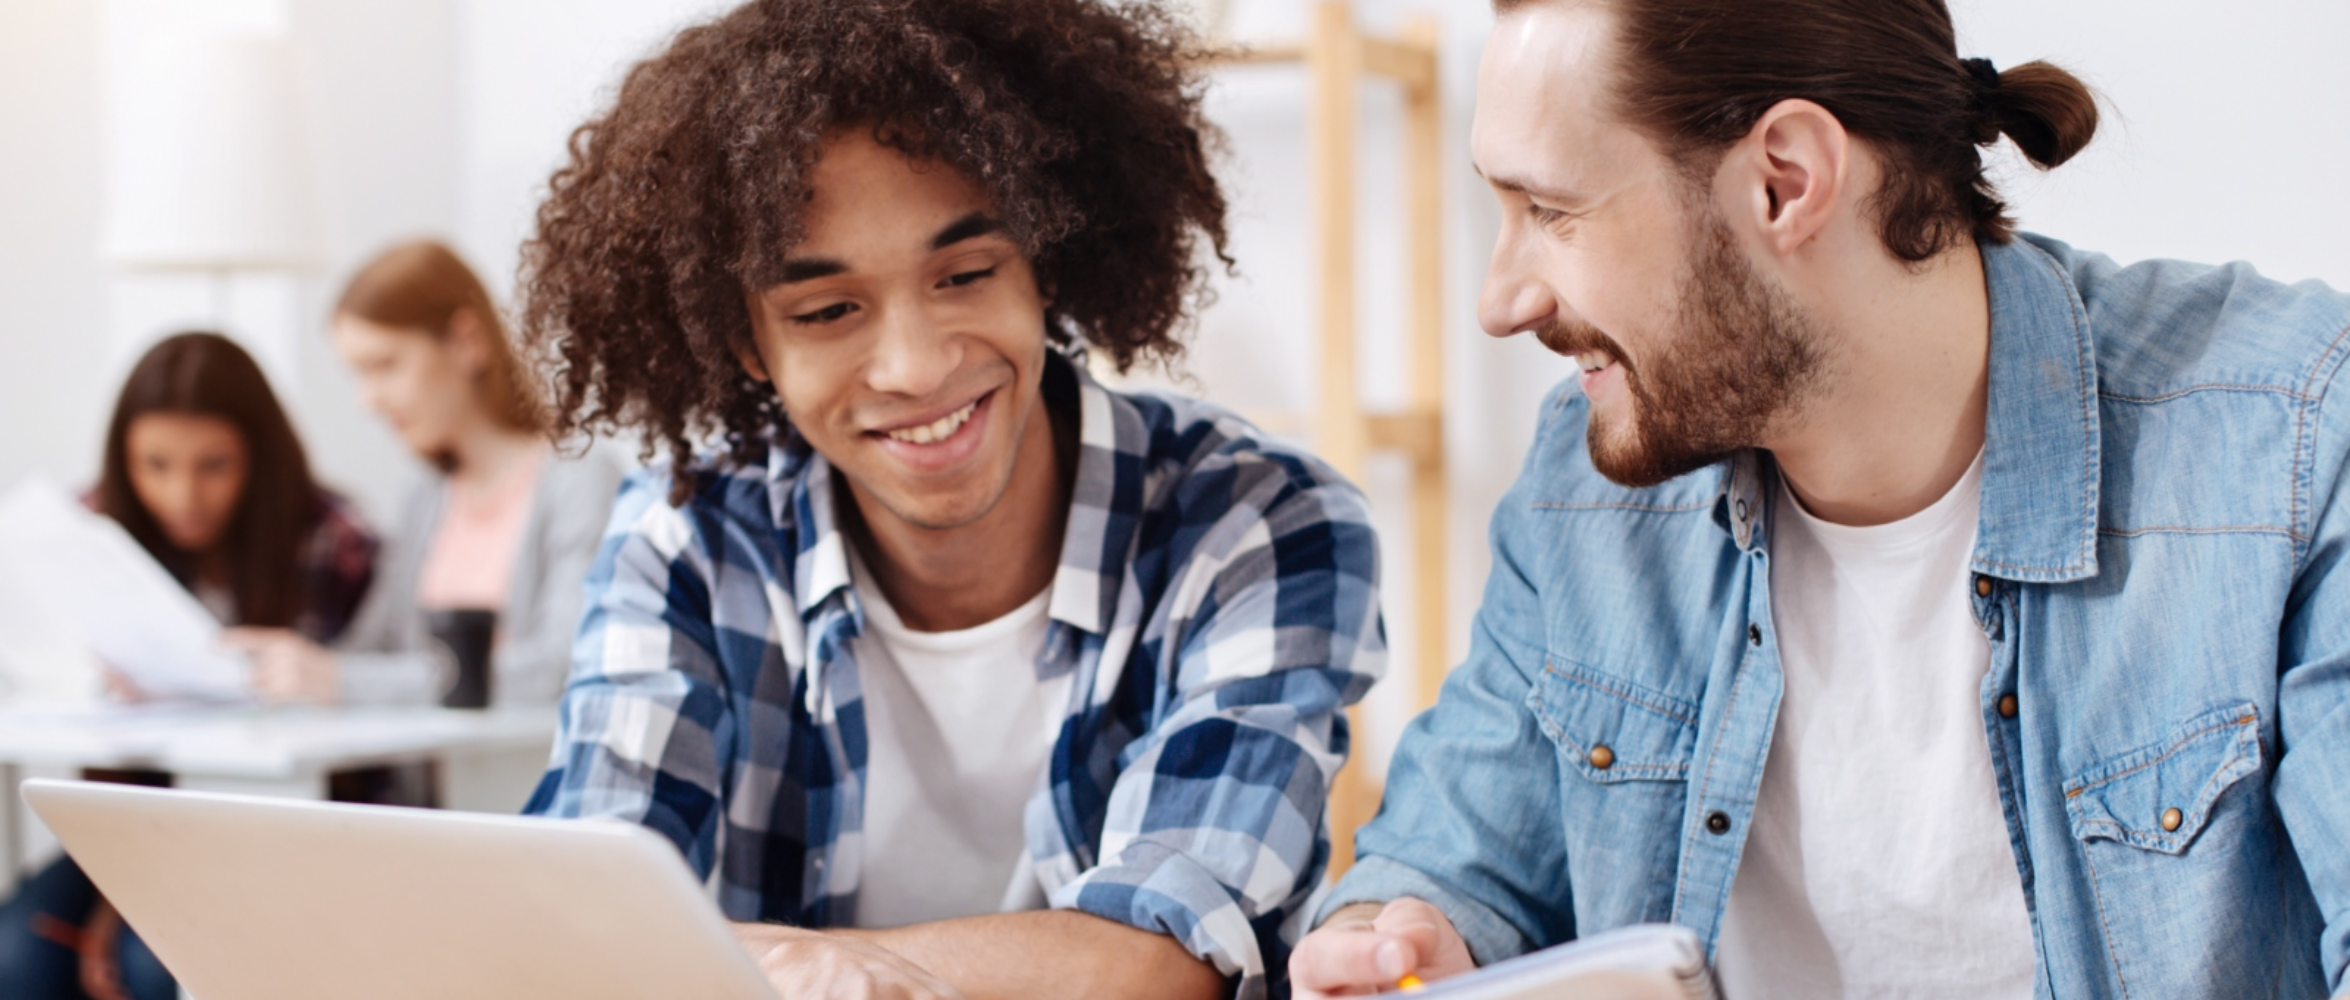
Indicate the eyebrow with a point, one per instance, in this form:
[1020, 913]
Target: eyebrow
[801, 269]
[972, 226]
[1515, 185]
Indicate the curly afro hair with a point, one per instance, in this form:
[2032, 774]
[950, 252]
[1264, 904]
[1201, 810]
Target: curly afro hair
[1080, 118]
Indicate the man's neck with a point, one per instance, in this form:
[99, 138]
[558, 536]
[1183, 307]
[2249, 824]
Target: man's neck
[1900, 411]
[941, 580]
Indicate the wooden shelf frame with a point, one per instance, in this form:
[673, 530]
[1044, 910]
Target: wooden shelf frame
[1339, 58]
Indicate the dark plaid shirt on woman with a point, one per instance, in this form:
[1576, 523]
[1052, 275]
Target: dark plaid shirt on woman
[1216, 605]
[338, 565]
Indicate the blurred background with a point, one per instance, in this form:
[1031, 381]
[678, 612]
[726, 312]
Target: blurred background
[359, 122]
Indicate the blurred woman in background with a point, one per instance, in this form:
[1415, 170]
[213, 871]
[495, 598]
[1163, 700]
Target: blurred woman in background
[202, 467]
[505, 528]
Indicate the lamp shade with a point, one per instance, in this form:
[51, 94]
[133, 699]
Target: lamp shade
[205, 164]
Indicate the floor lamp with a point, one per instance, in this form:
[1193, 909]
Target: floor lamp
[205, 167]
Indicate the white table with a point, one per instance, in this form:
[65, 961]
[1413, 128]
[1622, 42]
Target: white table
[488, 760]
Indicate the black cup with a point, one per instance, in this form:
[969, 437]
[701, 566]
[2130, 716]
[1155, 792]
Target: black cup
[466, 633]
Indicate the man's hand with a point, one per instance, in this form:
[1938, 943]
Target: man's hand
[817, 966]
[1366, 948]
[286, 666]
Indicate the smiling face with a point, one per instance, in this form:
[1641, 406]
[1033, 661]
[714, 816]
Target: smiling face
[1611, 253]
[189, 471]
[907, 339]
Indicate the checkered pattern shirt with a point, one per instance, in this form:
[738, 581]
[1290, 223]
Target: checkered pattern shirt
[1216, 603]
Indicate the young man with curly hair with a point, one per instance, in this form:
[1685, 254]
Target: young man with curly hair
[1905, 605]
[960, 674]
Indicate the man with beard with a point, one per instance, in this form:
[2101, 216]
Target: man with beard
[1907, 606]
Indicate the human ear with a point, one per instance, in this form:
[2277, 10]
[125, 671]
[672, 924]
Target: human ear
[746, 353]
[466, 335]
[746, 346]
[1795, 164]
[746, 349]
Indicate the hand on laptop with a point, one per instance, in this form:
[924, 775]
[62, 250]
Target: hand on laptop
[287, 666]
[1366, 948]
[818, 966]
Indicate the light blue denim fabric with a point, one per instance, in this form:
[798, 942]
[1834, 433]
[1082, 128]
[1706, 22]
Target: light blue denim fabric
[2163, 583]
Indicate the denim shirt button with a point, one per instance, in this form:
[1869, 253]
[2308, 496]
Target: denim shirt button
[2007, 706]
[1982, 585]
[1741, 511]
[1717, 822]
[1602, 758]
[2171, 820]
[1754, 634]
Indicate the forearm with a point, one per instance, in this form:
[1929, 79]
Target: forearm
[1051, 953]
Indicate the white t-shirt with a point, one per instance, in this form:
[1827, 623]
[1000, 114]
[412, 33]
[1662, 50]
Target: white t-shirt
[958, 730]
[1879, 863]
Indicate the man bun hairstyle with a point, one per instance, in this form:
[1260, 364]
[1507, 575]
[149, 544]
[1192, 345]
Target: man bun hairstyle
[1698, 74]
[1081, 119]
[2045, 111]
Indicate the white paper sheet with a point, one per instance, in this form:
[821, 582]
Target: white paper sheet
[1641, 962]
[87, 575]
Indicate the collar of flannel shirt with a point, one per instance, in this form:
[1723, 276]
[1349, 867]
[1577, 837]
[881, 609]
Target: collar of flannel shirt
[1104, 509]
[1215, 608]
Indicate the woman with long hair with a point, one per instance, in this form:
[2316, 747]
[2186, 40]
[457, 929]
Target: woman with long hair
[202, 467]
[504, 528]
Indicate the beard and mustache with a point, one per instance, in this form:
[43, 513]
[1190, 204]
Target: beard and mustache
[1742, 357]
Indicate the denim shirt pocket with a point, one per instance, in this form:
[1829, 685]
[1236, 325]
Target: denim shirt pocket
[1624, 754]
[1611, 730]
[2131, 798]
[2183, 826]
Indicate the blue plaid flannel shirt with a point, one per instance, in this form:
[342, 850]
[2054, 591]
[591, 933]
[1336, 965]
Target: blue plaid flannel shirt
[1217, 602]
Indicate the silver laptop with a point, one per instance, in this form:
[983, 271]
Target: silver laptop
[271, 899]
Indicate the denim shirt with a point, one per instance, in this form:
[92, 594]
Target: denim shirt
[2159, 571]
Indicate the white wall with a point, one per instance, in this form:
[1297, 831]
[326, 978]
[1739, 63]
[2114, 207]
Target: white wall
[2227, 130]
[535, 70]
[52, 294]
[447, 115]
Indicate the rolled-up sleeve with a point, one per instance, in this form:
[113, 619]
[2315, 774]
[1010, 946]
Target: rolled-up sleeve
[644, 725]
[1469, 821]
[1215, 832]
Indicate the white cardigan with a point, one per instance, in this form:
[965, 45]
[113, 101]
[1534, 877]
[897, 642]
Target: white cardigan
[388, 656]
